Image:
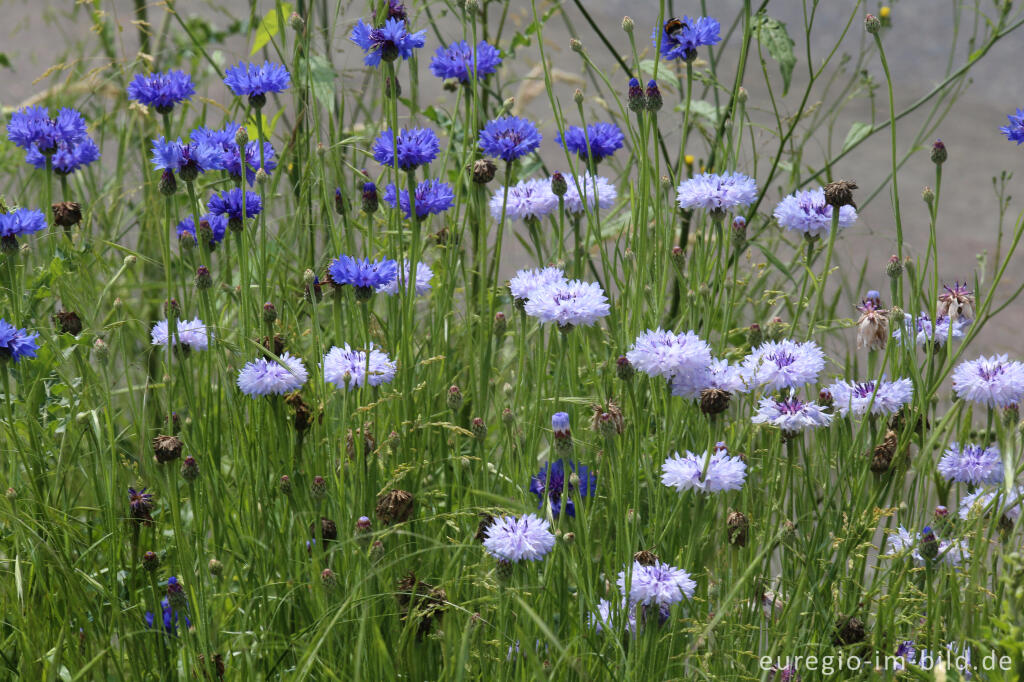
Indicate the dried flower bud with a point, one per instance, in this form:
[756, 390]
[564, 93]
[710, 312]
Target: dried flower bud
[395, 506]
[67, 214]
[714, 401]
[646, 558]
[483, 171]
[737, 526]
[840, 193]
[68, 322]
[849, 629]
[167, 448]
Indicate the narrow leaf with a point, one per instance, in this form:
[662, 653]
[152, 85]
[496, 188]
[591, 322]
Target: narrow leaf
[268, 27]
[772, 35]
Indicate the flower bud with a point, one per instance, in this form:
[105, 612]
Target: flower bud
[742, 95]
[296, 22]
[754, 336]
[151, 561]
[575, 45]
[189, 469]
[939, 153]
[636, 100]
[318, 488]
[500, 324]
[327, 579]
[370, 201]
[893, 268]
[262, 177]
[654, 101]
[479, 429]
[269, 313]
[872, 24]
[284, 484]
[577, 97]
[678, 257]
[483, 171]
[558, 185]
[101, 349]
[508, 417]
[168, 183]
[627, 24]
[242, 137]
[216, 568]
[928, 195]
[203, 279]
[454, 399]
[624, 369]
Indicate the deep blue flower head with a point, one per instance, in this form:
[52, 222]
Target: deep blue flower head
[170, 617]
[64, 137]
[416, 147]
[161, 90]
[140, 501]
[1015, 130]
[257, 80]
[68, 158]
[229, 204]
[231, 161]
[21, 221]
[604, 139]
[432, 197]
[188, 160]
[509, 137]
[552, 480]
[396, 10]
[636, 100]
[458, 61]
[390, 41]
[15, 343]
[218, 227]
[362, 273]
[683, 43]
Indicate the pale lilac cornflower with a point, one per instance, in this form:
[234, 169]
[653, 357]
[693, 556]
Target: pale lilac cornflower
[783, 364]
[609, 617]
[719, 374]
[192, 334]
[709, 473]
[571, 304]
[349, 368]
[986, 500]
[922, 331]
[806, 211]
[400, 283]
[528, 283]
[598, 192]
[972, 464]
[990, 381]
[510, 539]
[717, 193]
[880, 397]
[527, 199]
[265, 376]
[951, 552]
[661, 353]
[659, 584]
[791, 414]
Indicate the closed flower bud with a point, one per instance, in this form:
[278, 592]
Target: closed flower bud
[840, 193]
[483, 171]
[68, 322]
[569, 538]
[939, 153]
[893, 268]
[558, 185]
[363, 525]
[370, 201]
[11, 495]
[507, 104]
[825, 398]
[742, 95]
[296, 22]
[627, 24]
[284, 484]
[454, 399]
[929, 544]
[849, 630]
[308, 277]
[151, 561]
[575, 45]
[754, 336]
[172, 308]
[167, 448]
[500, 324]
[176, 593]
[776, 329]
[739, 232]
[646, 558]
[872, 24]
[392, 86]
[101, 349]
[318, 488]
[624, 369]
[636, 100]
[395, 506]
[479, 429]
[327, 579]
[577, 97]
[928, 195]
[216, 568]
[168, 183]
[339, 202]
[737, 526]
[203, 279]
[508, 417]
[269, 313]
[678, 257]
[262, 177]
[189, 468]
[654, 101]
[205, 235]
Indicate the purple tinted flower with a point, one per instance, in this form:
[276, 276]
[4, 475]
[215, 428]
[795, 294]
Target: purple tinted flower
[264, 376]
[718, 374]
[191, 333]
[972, 464]
[550, 483]
[390, 41]
[349, 368]
[526, 199]
[229, 203]
[923, 331]
[712, 192]
[416, 147]
[614, 619]
[686, 36]
[951, 552]
[510, 539]
[509, 138]
[666, 354]
[187, 160]
[983, 502]
[529, 283]
[21, 221]
[362, 273]
[15, 343]
[791, 414]
[31, 128]
[231, 159]
[571, 304]
[458, 61]
[218, 225]
[708, 473]
[600, 140]
[993, 382]
[432, 197]
[597, 192]
[807, 212]
[1015, 130]
[880, 397]
[161, 90]
[170, 618]
[256, 80]
[783, 364]
[400, 282]
[659, 584]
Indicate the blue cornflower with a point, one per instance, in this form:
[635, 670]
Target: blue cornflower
[807, 211]
[1015, 131]
[551, 482]
[686, 36]
[791, 414]
[170, 618]
[416, 147]
[20, 221]
[256, 81]
[161, 90]
[264, 376]
[509, 137]
[187, 160]
[510, 539]
[714, 192]
[390, 41]
[458, 61]
[365, 276]
[707, 473]
[15, 343]
[571, 304]
[64, 138]
[217, 224]
[880, 397]
[231, 161]
[604, 139]
[972, 464]
[229, 203]
[783, 364]
[350, 368]
[68, 158]
[993, 382]
[432, 197]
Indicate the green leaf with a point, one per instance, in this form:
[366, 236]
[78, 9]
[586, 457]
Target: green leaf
[268, 27]
[702, 108]
[858, 131]
[664, 74]
[5, 60]
[321, 76]
[772, 35]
